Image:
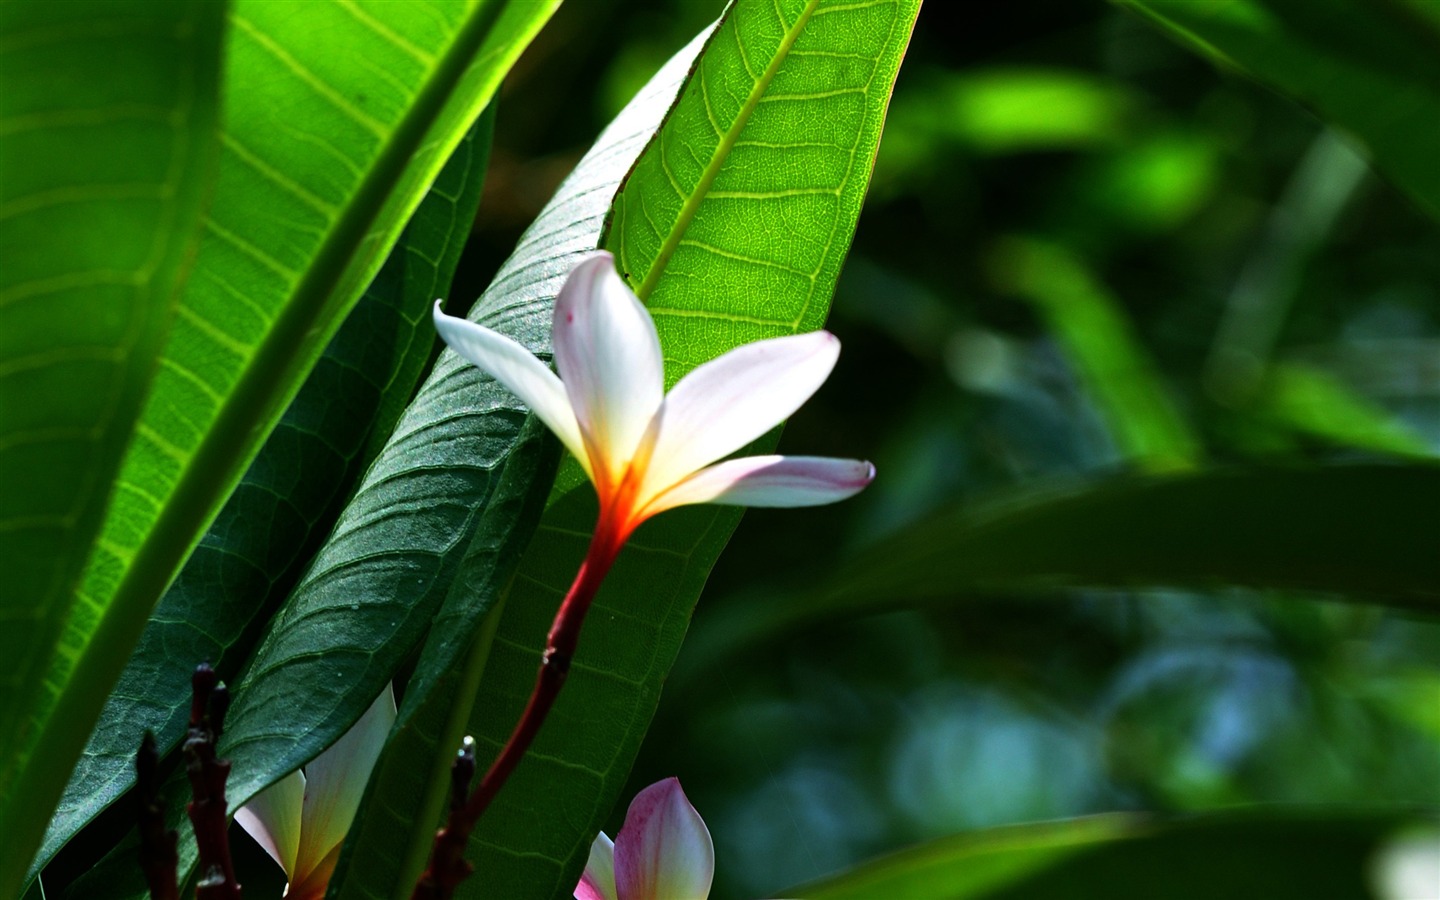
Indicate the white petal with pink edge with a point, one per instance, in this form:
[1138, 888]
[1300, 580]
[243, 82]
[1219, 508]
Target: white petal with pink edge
[779, 481]
[598, 880]
[273, 819]
[335, 782]
[663, 851]
[521, 372]
[608, 355]
[734, 399]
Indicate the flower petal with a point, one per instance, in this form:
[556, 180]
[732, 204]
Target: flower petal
[733, 399]
[770, 481]
[598, 880]
[663, 851]
[335, 781]
[522, 373]
[273, 819]
[318, 881]
[608, 355]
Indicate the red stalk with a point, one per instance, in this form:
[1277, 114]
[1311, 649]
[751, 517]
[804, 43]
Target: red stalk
[448, 866]
[209, 701]
[158, 856]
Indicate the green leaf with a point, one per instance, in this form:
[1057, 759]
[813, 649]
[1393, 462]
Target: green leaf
[732, 227]
[391, 839]
[251, 557]
[1312, 400]
[336, 122]
[382, 858]
[1124, 857]
[1357, 529]
[108, 117]
[1096, 335]
[1369, 69]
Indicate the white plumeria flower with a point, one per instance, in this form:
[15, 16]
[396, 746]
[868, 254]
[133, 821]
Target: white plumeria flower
[662, 852]
[646, 451]
[302, 819]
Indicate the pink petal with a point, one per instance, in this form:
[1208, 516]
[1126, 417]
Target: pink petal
[609, 359]
[520, 371]
[335, 782]
[770, 481]
[732, 400]
[598, 880]
[663, 852]
[273, 819]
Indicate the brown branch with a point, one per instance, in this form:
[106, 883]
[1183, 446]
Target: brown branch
[448, 866]
[208, 704]
[158, 858]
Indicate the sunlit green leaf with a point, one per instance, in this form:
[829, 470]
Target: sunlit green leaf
[1368, 69]
[1118, 857]
[732, 227]
[251, 556]
[1313, 401]
[108, 116]
[335, 125]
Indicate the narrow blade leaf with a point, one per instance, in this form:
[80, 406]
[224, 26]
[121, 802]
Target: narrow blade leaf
[1124, 857]
[1369, 531]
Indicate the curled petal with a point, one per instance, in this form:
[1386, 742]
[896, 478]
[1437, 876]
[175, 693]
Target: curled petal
[609, 359]
[733, 399]
[770, 481]
[598, 880]
[522, 373]
[335, 782]
[273, 819]
[663, 851]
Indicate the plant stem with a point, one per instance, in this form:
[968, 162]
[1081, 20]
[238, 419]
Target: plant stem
[158, 856]
[448, 866]
[208, 775]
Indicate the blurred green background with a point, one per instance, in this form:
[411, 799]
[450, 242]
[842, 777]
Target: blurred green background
[1086, 251]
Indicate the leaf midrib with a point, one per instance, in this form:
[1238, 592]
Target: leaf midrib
[722, 151]
[196, 497]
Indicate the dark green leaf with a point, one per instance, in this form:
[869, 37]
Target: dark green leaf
[108, 116]
[425, 501]
[315, 183]
[400, 543]
[251, 556]
[732, 227]
[1119, 857]
[1370, 69]
[1372, 531]
[393, 833]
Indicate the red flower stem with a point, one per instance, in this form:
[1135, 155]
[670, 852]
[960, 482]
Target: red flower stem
[448, 866]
